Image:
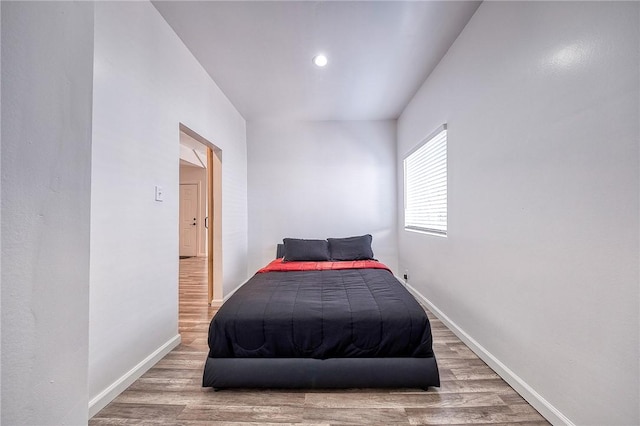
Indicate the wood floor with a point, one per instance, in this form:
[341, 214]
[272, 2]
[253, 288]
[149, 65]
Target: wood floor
[171, 393]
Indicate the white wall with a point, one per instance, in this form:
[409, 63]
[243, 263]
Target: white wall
[540, 266]
[146, 83]
[319, 180]
[47, 58]
[198, 176]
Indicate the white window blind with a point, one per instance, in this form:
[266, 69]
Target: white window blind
[425, 183]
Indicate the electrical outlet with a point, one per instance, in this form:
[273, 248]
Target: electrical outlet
[406, 275]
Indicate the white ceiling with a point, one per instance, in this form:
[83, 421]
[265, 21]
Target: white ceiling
[259, 53]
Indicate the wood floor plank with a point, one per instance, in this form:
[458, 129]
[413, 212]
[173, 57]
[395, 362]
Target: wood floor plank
[342, 416]
[159, 384]
[141, 411]
[231, 413]
[170, 393]
[474, 373]
[472, 415]
[486, 385]
[415, 400]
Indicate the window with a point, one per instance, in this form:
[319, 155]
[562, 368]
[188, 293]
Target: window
[425, 185]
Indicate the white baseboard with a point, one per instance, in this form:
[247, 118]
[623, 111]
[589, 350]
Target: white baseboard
[116, 388]
[551, 413]
[224, 299]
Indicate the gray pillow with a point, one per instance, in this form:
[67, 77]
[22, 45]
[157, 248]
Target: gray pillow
[305, 250]
[352, 248]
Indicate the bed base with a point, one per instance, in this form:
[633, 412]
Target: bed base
[309, 373]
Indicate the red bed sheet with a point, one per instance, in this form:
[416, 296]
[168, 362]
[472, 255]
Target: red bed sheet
[279, 266]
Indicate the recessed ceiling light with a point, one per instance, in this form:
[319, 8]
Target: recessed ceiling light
[320, 60]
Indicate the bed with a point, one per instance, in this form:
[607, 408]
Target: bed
[321, 318]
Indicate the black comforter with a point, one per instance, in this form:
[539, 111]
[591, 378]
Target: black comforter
[321, 314]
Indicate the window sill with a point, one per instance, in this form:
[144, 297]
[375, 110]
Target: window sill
[427, 232]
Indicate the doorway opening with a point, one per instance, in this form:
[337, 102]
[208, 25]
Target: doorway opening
[200, 216]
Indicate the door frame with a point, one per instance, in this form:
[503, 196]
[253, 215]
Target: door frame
[214, 231]
[214, 213]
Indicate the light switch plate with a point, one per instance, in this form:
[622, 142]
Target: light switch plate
[159, 193]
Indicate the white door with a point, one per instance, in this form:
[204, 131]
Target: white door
[188, 221]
